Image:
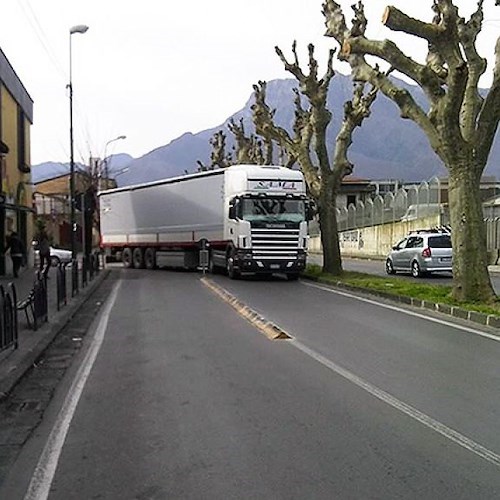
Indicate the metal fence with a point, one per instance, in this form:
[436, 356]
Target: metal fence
[36, 305]
[9, 330]
[406, 203]
[493, 234]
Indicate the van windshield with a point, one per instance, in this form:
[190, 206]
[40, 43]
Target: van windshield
[273, 210]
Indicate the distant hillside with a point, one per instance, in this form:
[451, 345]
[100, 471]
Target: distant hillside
[386, 147]
[49, 170]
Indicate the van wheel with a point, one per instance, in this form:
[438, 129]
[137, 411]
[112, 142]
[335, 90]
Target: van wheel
[127, 257]
[389, 268]
[415, 269]
[138, 258]
[150, 258]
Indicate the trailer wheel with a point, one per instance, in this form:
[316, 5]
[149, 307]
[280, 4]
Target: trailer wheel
[233, 273]
[138, 258]
[127, 257]
[150, 258]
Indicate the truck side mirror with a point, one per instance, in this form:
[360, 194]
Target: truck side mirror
[233, 209]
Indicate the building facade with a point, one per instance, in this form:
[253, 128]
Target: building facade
[16, 117]
[51, 199]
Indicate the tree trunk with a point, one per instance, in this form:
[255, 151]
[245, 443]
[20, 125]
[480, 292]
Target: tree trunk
[332, 260]
[471, 281]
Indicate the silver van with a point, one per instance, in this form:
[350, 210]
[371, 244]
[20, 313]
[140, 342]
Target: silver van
[420, 253]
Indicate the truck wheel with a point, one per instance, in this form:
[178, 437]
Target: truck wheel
[150, 258]
[231, 271]
[127, 257]
[212, 268]
[138, 258]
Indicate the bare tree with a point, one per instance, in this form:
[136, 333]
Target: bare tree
[460, 124]
[308, 146]
[248, 149]
[218, 157]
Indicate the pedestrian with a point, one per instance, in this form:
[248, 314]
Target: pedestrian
[17, 252]
[43, 247]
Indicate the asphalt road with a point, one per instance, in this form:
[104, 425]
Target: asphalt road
[181, 398]
[376, 267]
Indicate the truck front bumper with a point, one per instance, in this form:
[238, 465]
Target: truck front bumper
[249, 264]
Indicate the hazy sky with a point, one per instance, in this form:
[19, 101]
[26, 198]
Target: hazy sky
[155, 69]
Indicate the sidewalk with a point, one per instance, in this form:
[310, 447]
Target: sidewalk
[15, 362]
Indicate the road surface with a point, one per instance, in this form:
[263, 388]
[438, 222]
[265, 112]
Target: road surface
[176, 396]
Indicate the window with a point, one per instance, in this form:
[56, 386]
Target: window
[443, 241]
[351, 199]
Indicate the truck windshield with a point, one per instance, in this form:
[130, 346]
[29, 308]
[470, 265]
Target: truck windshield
[273, 210]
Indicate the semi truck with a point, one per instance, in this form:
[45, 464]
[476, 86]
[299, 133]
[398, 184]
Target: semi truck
[241, 219]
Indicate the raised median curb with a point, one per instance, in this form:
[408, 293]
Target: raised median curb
[268, 328]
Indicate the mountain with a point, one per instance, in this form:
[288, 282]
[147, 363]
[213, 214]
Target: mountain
[385, 147]
[48, 170]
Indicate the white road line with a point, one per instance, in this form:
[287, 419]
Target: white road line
[43, 475]
[424, 419]
[406, 311]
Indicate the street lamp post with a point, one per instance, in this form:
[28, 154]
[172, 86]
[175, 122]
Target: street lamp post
[106, 169]
[80, 28]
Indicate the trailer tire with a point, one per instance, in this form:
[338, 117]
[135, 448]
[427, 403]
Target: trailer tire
[138, 258]
[127, 257]
[150, 258]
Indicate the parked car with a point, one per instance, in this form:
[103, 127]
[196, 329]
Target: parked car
[57, 255]
[421, 252]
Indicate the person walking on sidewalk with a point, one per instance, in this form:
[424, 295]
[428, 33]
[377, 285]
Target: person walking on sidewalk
[17, 252]
[43, 247]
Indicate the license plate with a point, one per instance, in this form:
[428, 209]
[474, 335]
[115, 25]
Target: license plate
[274, 266]
[445, 259]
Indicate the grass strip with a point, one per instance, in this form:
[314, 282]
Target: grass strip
[439, 294]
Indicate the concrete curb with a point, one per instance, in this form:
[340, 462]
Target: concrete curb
[268, 328]
[454, 311]
[21, 360]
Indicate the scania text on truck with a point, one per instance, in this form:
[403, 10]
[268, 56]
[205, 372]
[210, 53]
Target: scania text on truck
[250, 219]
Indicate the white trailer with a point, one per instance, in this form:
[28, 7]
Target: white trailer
[250, 219]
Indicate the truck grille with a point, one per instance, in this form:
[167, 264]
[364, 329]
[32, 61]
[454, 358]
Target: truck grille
[275, 244]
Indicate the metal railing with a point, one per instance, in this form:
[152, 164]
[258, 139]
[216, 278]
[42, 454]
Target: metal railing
[36, 304]
[61, 288]
[40, 300]
[406, 203]
[9, 330]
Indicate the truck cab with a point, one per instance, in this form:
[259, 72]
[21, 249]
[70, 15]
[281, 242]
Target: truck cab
[267, 217]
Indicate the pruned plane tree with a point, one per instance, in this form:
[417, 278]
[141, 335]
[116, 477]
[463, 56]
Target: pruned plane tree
[460, 123]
